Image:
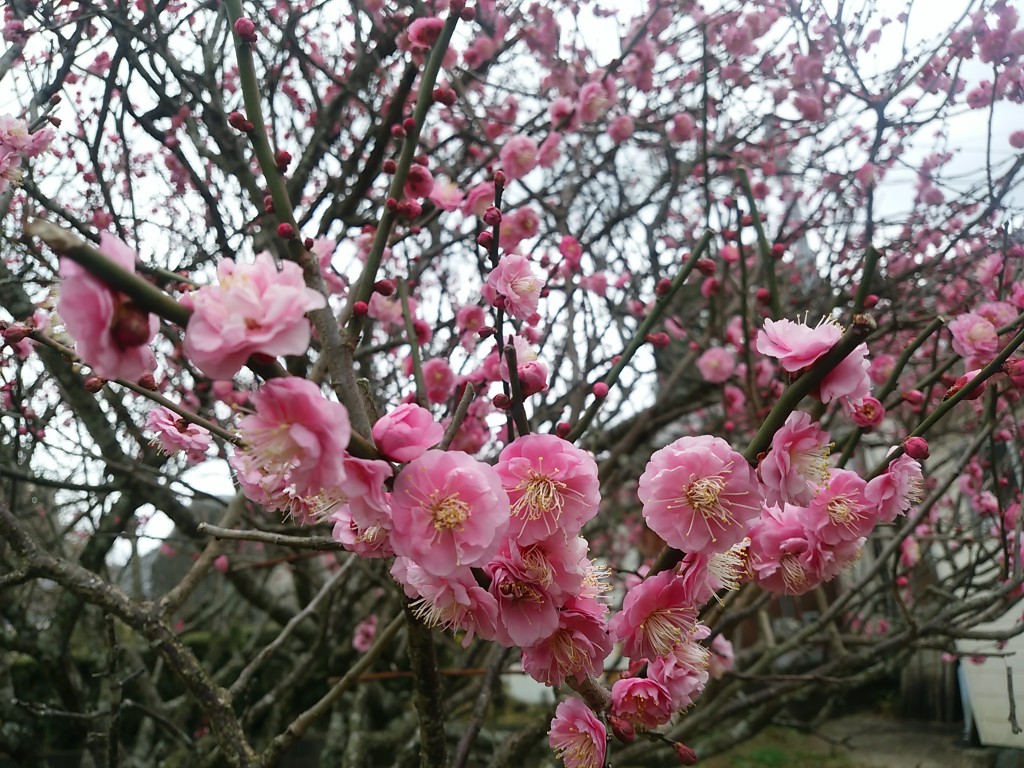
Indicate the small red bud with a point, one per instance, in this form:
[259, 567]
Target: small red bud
[663, 287]
[238, 121]
[778, 251]
[728, 202]
[94, 384]
[468, 14]
[391, 204]
[384, 287]
[499, 179]
[360, 308]
[562, 429]
[445, 96]
[706, 267]
[501, 401]
[246, 30]
[485, 239]
[54, 121]
[285, 231]
[685, 755]
[409, 124]
[764, 296]
[389, 166]
[398, 131]
[492, 216]
[308, 243]
[659, 340]
[914, 396]
[500, 302]
[486, 332]
[16, 333]
[746, 220]
[268, 204]
[282, 159]
[600, 390]
[870, 301]
[916, 448]
[147, 381]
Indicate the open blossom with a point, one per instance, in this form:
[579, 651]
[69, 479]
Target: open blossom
[578, 738]
[177, 434]
[406, 432]
[840, 510]
[527, 606]
[796, 345]
[576, 649]
[371, 542]
[254, 309]
[448, 511]
[297, 437]
[716, 365]
[111, 332]
[699, 494]
[797, 463]
[684, 670]
[515, 281]
[453, 602]
[849, 380]
[552, 486]
[518, 156]
[894, 491]
[974, 337]
[656, 614]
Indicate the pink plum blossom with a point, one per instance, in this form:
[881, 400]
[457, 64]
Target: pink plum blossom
[894, 491]
[255, 309]
[839, 509]
[656, 614]
[448, 511]
[683, 671]
[642, 702]
[551, 484]
[849, 380]
[406, 432]
[699, 494]
[576, 649]
[716, 365]
[370, 542]
[453, 602]
[796, 345]
[175, 433]
[577, 737]
[111, 332]
[296, 437]
[797, 463]
[518, 156]
[439, 380]
[516, 283]
[974, 337]
[527, 606]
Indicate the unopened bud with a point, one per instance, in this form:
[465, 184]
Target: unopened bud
[706, 267]
[384, 287]
[285, 231]
[14, 334]
[916, 448]
[685, 755]
[562, 429]
[147, 381]
[492, 216]
[282, 159]
[623, 729]
[360, 308]
[501, 401]
[94, 384]
[389, 166]
[663, 286]
[246, 30]
[600, 390]
[409, 124]
[485, 239]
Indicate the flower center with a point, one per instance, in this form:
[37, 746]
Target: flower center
[812, 464]
[540, 494]
[703, 493]
[793, 574]
[663, 629]
[842, 511]
[447, 513]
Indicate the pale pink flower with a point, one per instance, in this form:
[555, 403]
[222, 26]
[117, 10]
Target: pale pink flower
[453, 602]
[111, 332]
[516, 283]
[448, 511]
[716, 365]
[708, 573]
[656, 614]
[642, 702]
[297, 435]
[551, 484]
[849, 380]
[371, 542]
[684, 670]
[898, 488]
[550, 150]
[974, 337]
[174, 434]
[722, 658]
[699, 494]
[365, 491]
[797, 463]
[406, 432]
[255, 309]
[578, 738]
[479, 199]
[446, 195]
[518, 156]
[796, 345]
[576, 649]
[595, 98]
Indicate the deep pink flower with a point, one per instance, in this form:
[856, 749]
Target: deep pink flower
[111, 332]
[576, 649]
[656, 614]
[642, 702]
[552, 486]
[797, 463]
[849, 380]
[516, 283]
[255, 308]
[796, 345]
[419, 183]
[448, 511]
[578, 738]
[840, 511]
[370, 542]
[699, 494]
[365, 631]
[406, 432]
[683, 672]
[423, 32]
[439, 380]
[174, 434]
[297, 436]
[527, 606]
[453, 602]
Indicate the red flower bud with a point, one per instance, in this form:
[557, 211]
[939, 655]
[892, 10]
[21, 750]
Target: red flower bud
[916, 448]
[659, 340]
[486, 332]
[391, 204]
[308, 243]
[282, 159]
[562, 429]
[397, 131]
[268, 204]
[389, 166]
[409, 124]
[600, 390]
[501, 401]
[485, 239]
[622, 729]
[686, 755]
[360, 308]
[246, 30]
[664, 286]
[384, 287]
[492, 216]
[94, 384]
[778, 251]
[16, 333]
[499, 180]
[147, 381]
[285, 231]
[706, 267]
